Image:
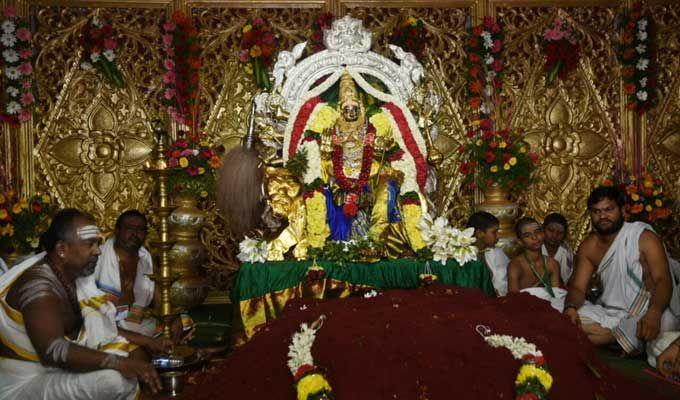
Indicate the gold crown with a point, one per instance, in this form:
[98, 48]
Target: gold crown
[348, 90]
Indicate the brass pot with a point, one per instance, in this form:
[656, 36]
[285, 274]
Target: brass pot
[187, 254]
[497, 202]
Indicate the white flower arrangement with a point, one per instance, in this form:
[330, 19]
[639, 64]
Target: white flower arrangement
[252, 250]
[300, 349]
[8, 26]
[447, 242]
[518, 346]
[17, 55]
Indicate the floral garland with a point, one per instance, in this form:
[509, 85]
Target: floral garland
[411, 36]
[533, 381]
[258, 46]
[484, 65]
[320, 24]
[638, 58]
[193, 167]
[22, 220]
[353, 187]
[445, 241]
[310, 383]
[252, 250]
[182, 64]
[560, 45]
[17, 61]
[646, 200]
[98, 40]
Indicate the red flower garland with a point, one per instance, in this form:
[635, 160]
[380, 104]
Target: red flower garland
[300, 123]
[353, 187]
[411, 145]
[562, 51]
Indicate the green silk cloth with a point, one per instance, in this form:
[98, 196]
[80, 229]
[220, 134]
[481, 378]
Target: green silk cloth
[262, 290]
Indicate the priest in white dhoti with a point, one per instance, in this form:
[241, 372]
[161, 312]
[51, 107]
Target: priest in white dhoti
[57, 331]
[630, 262]
[486, 232]
[555, 230]
[123, 271]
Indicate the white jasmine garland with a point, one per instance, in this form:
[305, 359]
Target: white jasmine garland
[642, 35]
[643, 82]
[642, 24]
[95, 57]
[642, 64]
[252, 250]
[109, 55]
[489, 60]
[13, 107]
[10, 55]
[300, 349]
[8, 26]
[12, 91]
[641, 48]
[518, 346]
[8, 39]
[12, 73]
[96, 22]
[313, 161]
[641, 95]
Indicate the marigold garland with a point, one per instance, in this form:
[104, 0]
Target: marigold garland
[484, 65]
[17, 61]
[637, 54]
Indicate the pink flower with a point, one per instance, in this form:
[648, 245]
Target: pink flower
[181, 143]
[192, 171]
[26, 85]
[172, 162]
[553, 34]
[169, 64]
[25, 68]
[23, 34]
[25, 54]
[169, 93]
[169, 26]
[110, 44]
[27, 98]
[498, 65]
[496, 46]
[11, 12]
[187, 152]
[244, 55]
[167, 40]
[268, 38]
[169, 77]
[24, 115]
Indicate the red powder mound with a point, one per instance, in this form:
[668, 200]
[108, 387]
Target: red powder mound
[417, 344]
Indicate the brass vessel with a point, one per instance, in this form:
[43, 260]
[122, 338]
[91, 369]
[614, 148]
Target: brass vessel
[497, 202]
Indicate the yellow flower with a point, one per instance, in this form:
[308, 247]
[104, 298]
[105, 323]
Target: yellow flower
[479, 142]
[16, 208]
[248, 68]
[412, 214]
[493, 169]
[412, 21]
[635, 197]
[310, 384]
[45, 198]
[523, 149]
[502, 144]
[512, 161]
[255, 51]
[201, 170]
[658, 202]
[381, 123]
[23, 203]
[7, 231]
[529, 371]
[317, 228]
[654, 193]
[2, 199]
[325, 118]
[204, 194]
[3, 213]
[648, 184]
[247, 28]
[183, 162]
[506, 166]
[648, 208]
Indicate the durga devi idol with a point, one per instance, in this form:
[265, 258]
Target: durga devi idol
[351, 157]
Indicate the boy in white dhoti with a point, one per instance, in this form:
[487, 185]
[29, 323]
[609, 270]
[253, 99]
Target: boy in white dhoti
[123, 271]
[554, 233]
[486, 231]
[59, 339]
[631, 263]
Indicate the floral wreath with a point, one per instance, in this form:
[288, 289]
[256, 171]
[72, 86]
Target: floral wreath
[98, 40]
[310, 383]
[533, 381]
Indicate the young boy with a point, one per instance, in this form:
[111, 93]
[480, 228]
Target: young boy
[555, 231]
[486, 232]
[531, 268]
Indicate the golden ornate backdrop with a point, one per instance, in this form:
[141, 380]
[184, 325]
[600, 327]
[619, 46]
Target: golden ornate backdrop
[88, 139]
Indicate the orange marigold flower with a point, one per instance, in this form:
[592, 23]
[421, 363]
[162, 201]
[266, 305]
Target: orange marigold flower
[608, 183]
[660, 213]
[627, 71]
[215, 162]
[474, 57]
[475, 86]
[636, 209]
[475, 102]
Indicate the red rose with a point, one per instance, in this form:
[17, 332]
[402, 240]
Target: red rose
[461, 149]
[470, 133]
[473, 42]
[486, 124]
[477, 30]
[489, 157]
[474, 58]
[465, 168]
[487, 136]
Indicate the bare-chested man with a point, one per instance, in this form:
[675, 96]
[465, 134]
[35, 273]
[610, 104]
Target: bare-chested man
[631, 263]
[47, 302]
[531, 268]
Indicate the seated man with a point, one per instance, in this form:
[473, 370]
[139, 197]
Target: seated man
[122, 273]
[554, 233]
[630, 261]
[59, 340]
[531, 269]
[486, 233]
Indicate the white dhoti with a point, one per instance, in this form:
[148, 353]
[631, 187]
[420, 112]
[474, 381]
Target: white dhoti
[497, 263]
[28, 379]
[134, 317]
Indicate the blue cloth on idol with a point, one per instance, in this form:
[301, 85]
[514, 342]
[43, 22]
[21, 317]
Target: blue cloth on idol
[339, 224]
[392, 210]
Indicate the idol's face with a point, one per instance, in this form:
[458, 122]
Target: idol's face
[531, 236]
[607, 216]
[350, 110]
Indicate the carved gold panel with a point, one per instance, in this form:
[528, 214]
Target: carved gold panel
[571, 125]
